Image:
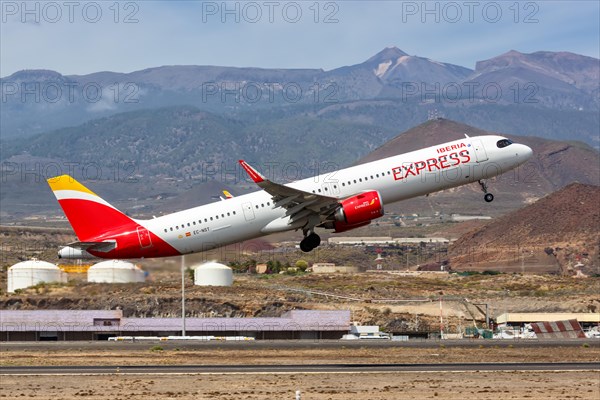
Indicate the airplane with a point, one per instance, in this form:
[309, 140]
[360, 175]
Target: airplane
[339, 201]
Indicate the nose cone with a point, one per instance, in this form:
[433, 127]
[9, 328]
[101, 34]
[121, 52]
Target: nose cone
[524, 152]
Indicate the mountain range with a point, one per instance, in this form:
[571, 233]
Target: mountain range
[550, 94]
[181, 129]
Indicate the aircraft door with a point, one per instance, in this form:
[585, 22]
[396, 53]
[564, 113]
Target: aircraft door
[248, 211]
[480, 153]
[144, 237]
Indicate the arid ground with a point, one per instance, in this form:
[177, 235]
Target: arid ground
[317, 386]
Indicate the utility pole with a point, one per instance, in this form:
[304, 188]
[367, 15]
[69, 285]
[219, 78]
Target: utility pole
[182, 295]
[441, 319]
[487, 315]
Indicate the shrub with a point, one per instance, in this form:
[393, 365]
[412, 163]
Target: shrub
[301, 265]
[491, 272]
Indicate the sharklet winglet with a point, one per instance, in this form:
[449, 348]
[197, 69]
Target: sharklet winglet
[254, 174]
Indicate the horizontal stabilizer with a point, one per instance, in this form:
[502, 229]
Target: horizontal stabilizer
[103, 247]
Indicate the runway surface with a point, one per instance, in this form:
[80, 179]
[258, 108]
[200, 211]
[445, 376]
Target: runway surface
[295, 368]
[296, 344]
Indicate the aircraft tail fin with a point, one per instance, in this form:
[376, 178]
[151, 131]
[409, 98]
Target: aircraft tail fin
[89, 214]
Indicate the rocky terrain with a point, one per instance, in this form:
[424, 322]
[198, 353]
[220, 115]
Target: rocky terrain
[559, 230]
[375, 297]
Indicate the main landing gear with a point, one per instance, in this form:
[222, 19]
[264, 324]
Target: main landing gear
[488, 197]
[310, 242]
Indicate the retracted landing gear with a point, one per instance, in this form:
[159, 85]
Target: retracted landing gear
[310, 242]
[488, 197]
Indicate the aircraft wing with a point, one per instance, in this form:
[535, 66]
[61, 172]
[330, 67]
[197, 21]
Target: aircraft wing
[298, 203]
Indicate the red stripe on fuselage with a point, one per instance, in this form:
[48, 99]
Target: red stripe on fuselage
[129, 246]
[96, 222]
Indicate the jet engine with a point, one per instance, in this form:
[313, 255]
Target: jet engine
[357, 211]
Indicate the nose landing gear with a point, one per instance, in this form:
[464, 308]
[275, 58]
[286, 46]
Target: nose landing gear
[488, 197]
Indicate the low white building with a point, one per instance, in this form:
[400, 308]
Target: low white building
[462, 218]
[331, 268]
[360, 240]
[366, 332]
[382, 240]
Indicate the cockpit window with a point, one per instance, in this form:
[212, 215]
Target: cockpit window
[503, 143]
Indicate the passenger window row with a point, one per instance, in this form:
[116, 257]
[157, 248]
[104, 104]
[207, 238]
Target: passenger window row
[193, 223]
[366, 178]
[263, 205]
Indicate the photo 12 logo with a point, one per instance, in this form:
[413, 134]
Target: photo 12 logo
[232, 173]
[54, 12]
[269, 92]
[253, 12]
[69, 92]
[453, 12]
[470, 91]
[40, 172]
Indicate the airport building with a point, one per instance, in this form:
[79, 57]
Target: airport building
[53, 325]
[383, 240]
[587, 320]
[331, 268]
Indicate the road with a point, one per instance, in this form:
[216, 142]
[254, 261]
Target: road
[294, 368]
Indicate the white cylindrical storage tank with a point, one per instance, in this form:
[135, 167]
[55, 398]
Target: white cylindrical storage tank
[115, 271]
[31, 272]
[213, 274]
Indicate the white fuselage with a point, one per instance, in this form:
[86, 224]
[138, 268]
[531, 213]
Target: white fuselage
[396, 178]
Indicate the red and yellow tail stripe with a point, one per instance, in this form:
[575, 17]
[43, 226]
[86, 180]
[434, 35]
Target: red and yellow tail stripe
[89, 214]
[95, 220]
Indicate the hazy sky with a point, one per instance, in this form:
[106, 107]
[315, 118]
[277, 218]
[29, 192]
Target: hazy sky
[80, 37]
